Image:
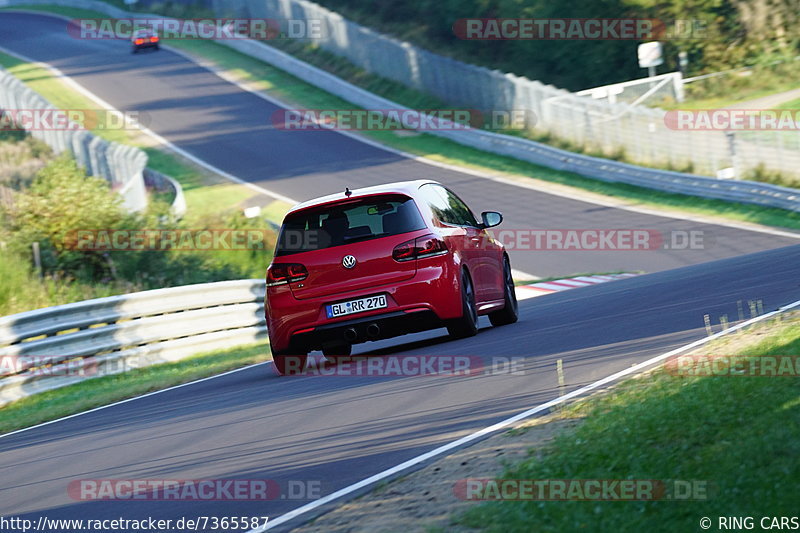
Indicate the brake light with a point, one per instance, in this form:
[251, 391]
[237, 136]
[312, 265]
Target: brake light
[429, 245]
[139, 41]
[154, 39]
[283, 273]
[404, 251]
[426, 246]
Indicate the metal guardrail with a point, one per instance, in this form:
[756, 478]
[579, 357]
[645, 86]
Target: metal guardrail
[600, 125]
[57, 346]
[120, 165]
[541, 154]
[157, 181]
[592, 167]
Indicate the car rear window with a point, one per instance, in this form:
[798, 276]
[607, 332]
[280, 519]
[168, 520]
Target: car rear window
[343, 223]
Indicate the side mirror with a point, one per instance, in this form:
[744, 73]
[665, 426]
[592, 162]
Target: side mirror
[491, 218]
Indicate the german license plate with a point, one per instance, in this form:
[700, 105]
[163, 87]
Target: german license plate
[356, 306]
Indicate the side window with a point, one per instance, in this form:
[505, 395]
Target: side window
[447, 206]
[436, 202]
[460, 210]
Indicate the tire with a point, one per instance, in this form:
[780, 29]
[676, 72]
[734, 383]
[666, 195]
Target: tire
[467, 324]
[287, 364]
[134, 50]
[510, 312]
[333, 352]
[156, 47]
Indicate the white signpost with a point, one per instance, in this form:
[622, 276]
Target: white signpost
[650, 56]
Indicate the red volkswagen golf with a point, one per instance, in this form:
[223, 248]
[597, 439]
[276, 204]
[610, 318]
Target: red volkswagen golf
[379, 262]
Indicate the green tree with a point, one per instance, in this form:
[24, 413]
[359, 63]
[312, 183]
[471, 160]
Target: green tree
[60, 200]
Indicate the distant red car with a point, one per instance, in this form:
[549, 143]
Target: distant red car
[144, 38]
[380, 262]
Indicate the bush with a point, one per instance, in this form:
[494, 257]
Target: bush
[21, 157]
[62, 199]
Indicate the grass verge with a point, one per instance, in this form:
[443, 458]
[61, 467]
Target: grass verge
[293, 91]
[736, 87]
[739, 434]
[65, 401]
[791, 104]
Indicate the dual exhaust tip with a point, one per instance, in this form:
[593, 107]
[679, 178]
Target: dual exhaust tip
[373, 332]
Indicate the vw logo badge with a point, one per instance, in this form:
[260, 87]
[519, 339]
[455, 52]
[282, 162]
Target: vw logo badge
[348, 261]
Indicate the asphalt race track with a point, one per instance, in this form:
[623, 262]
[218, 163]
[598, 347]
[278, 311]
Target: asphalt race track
[232, 130]
[337, 430]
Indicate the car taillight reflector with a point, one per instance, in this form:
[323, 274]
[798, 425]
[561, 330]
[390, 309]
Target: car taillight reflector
[404, 251]
[429, 245]
[153, 39]
[283, 273]
[139, 41]
[426, 246]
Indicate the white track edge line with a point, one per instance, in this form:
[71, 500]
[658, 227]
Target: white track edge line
[100, 408]
[507, 422]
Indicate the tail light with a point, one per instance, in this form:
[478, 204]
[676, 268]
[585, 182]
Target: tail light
[154, 39]
[426, 246]
[283, 273]
[404, 252]
[139, 41]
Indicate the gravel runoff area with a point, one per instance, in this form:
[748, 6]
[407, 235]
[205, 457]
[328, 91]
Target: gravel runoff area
[423, 501]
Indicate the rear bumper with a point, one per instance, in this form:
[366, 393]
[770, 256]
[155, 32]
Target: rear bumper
[420, 303]
[365, 329]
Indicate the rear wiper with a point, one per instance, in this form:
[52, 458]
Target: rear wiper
[359, 238]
